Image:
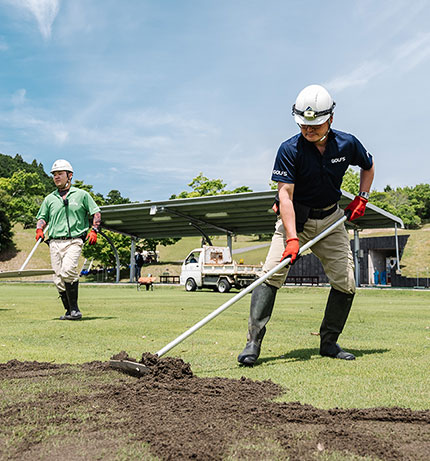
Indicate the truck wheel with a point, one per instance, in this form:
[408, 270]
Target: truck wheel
[190, 285]
[223, 286]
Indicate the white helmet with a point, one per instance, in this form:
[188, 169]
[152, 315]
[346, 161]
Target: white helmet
[314, 106]
[61, 165]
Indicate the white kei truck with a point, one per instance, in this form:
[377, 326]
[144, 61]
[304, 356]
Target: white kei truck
[213, 267]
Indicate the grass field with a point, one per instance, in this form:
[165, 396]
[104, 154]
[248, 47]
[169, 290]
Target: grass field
[388, 331]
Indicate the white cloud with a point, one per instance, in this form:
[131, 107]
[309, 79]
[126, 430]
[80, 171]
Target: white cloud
[393, 20]
[400, 23]
[151, 119]
[359, 76]
[61, 136]
[404, 58]
[35, 127]
[154, 135]
[414, 52]
[3, 44]
[18, 97]
[45, 12]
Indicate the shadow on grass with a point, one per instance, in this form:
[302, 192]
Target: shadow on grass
[6, 310]
[84, 319]
[8, 253]
[297, 355]
[300, 355]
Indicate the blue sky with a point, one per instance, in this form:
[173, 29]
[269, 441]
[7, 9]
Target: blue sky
[142, 95]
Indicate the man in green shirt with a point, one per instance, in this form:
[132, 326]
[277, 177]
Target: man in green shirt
[67, 211]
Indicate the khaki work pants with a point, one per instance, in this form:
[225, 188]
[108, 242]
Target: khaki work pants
[64, 259]
[333, 251]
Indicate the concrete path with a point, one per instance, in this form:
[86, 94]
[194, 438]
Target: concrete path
[254, 247]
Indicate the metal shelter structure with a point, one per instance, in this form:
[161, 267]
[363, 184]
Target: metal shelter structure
[228, 214]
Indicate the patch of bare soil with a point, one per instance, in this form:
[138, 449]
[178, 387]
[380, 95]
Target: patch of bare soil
[89, 411]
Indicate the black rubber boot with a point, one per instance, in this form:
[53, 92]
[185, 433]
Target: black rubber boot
[65, 301]
[336, 313]
[72, 296]
[262, 301]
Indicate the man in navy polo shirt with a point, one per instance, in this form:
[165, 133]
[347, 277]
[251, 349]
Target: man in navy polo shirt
[309, 169]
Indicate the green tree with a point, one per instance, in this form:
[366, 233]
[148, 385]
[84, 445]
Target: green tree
[203, 186]
[411, 204]
[20, 193]
[151, 244]
[114, 197]
[102, 251]
[351, 182]
[6, 233]
[397, 202]
[238, 190]
[9, 165]
[420, 198]
[23, 192]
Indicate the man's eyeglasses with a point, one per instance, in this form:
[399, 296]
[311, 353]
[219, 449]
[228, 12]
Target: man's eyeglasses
[313, 127]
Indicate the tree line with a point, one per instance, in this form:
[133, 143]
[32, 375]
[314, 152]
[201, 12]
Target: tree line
[23, 187]
[411, 204]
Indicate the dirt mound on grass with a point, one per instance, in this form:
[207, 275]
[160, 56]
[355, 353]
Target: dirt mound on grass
[89, 411]
[170, 368]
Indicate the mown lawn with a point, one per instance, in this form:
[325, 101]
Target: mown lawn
[388, 331]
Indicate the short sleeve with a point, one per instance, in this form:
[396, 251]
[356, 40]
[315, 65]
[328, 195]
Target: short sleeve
[43, 212]
[362, 157]
[284, 169]
[92, 205]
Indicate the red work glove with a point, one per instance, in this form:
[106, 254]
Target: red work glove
[39, 234]
[356, 208]
[292, 249]
[92, 237]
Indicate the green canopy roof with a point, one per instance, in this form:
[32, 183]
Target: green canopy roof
[240, 214]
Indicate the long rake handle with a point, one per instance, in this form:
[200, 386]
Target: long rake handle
[245, 291]
[32, 252]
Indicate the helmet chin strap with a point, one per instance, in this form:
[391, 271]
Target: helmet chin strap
[322, 139]
[67, 185]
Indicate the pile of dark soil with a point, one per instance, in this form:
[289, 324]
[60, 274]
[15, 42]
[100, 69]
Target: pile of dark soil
[90, 411]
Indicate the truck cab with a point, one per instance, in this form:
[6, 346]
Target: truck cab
[191, 274]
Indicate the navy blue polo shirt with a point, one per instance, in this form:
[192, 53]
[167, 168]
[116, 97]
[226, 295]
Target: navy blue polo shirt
[317, 178]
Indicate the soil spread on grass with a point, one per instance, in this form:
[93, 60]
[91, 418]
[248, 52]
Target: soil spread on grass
[89, 411]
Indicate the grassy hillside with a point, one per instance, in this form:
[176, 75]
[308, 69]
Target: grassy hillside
[416, 255]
